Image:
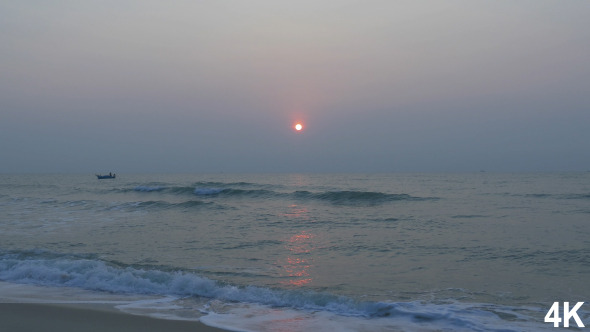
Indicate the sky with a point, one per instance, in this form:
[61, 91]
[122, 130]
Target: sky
[218, 85]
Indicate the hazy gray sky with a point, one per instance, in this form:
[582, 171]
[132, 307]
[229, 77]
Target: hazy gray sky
[216, 86]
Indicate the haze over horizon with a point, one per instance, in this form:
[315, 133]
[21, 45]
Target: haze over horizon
[217, 86]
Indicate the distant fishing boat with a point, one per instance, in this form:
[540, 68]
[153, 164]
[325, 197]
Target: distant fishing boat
[108, 176]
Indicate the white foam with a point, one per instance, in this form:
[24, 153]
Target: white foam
[240, 316]
[148, 188]
[243, 308]
[413, 317]
[169, 307]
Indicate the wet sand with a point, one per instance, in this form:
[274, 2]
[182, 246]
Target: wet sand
[33, 317]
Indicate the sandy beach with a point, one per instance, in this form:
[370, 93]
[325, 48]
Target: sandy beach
[32, 317]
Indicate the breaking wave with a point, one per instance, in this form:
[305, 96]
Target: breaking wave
[90, 273]
[160, 205]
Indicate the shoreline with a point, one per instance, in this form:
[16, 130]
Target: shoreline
[29, 317]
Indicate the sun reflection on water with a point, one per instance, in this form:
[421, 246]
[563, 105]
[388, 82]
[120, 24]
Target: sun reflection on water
[298, 264]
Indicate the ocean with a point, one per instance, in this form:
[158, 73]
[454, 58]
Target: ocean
[304, 252]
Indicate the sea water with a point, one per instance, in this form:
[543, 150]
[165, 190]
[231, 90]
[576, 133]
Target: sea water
[299, 252]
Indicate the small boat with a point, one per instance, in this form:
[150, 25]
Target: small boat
[108, 176]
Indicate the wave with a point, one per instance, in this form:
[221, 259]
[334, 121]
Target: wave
[132, 205]
[148, 188]
[208, 191]
[229, 192]
[333, 197]
[228, 184]
[88, 272]
[348, 197]
[175, 190]
[161, 205]
[555, 196]
[576, 196]
[242, 190]
[191, 198]
[201, 190]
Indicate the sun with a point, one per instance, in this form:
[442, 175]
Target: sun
[298, 127]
